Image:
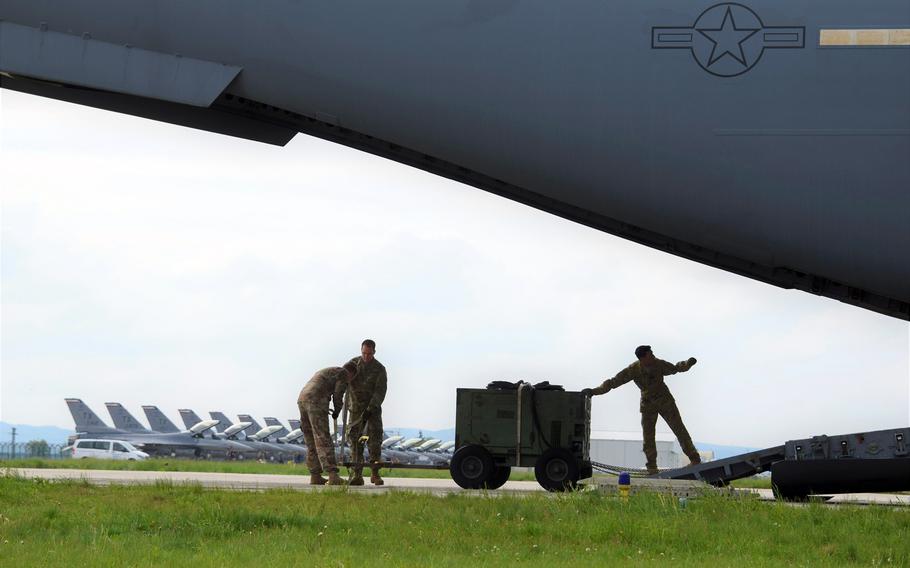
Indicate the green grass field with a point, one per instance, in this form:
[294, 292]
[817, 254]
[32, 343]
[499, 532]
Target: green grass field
[76, 524]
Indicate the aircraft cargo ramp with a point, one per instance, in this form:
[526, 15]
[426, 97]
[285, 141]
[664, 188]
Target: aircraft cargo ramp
[849, 463]
[721, 472]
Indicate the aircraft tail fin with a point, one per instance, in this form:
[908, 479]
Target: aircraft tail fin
[223, 422]
[247, 418]
[158, 422]
[189, 417]
[123, 419]
[85, 419]
[270, 421]
[295, 423]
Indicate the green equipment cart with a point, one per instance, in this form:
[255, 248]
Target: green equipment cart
[521, 425]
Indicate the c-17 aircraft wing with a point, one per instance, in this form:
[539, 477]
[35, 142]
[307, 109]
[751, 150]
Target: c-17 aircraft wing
[766, 139]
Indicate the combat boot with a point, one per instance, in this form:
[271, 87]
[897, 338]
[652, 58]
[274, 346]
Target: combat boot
[317, 479]
[356, 477]
[652, 469]
[335, 479]
[374, 477]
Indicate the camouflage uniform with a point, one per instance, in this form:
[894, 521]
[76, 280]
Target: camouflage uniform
[655, 400]
[313, 403]
[367, 392]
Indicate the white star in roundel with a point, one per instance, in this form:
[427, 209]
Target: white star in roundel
[728, 40]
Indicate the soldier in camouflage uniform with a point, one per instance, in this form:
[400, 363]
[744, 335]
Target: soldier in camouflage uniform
[367, 392]
[648, 373]
[313, 403]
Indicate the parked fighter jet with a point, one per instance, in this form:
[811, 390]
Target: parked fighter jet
[273, 429]
[123, 419]
[781, 154]
[409, 443]
[428, 445]
[270, 422]
[443, 452]
[158, 422]
[284, 436]
[227, 428]
[445, 447]
[88, 425]
[263, 434]
[293, 437]
[255, 440]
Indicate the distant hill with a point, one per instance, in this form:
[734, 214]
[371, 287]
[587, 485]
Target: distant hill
[27, 433]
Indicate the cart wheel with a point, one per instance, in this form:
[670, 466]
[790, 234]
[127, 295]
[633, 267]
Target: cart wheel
[557, 470]
[500, 476]
[471, 467]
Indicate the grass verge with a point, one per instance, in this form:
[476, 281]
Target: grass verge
[73, 523]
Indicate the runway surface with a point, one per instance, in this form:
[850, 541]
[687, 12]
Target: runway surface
[252, 481]
[258, 482]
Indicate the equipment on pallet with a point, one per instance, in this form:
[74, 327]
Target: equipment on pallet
[521, 425]
[542, 426]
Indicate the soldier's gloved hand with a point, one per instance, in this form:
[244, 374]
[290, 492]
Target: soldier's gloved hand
[336, 413]
[692, 361]
[586, 392]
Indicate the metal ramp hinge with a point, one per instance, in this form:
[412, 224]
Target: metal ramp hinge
[900, 445]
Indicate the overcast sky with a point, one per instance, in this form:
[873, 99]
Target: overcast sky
[145, 263]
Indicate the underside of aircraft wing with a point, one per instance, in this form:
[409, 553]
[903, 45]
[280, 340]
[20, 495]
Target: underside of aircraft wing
[123, 78]
[614, 115]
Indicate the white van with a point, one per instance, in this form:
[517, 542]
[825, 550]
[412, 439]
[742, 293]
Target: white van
[106, 449]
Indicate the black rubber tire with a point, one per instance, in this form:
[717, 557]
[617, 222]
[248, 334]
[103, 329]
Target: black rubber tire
[500, 475]
[557, 470]
[472, 467]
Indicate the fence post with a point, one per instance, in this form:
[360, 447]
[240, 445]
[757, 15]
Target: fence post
[13, 448]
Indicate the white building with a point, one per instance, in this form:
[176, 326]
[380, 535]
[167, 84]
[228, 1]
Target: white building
[623, 449]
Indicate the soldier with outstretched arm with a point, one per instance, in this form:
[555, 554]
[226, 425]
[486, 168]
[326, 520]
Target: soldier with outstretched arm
[313, 404]
[367, 391]
[648, 373]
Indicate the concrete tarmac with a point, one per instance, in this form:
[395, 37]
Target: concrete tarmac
[259, 482]
[255, 482]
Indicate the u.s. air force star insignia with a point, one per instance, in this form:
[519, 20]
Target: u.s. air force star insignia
[728, 39]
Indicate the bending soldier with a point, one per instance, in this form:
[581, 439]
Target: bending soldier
[648, 373]
[313, 403]
[367, 392]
